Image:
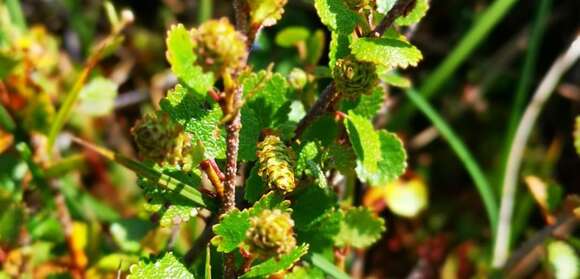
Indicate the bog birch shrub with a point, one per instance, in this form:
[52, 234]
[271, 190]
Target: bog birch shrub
[290, 216]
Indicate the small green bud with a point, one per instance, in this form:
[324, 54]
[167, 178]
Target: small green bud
[271, 234]
[161, 140]
[219, 46]
[353, 77]
[297, 78]
[276, 164]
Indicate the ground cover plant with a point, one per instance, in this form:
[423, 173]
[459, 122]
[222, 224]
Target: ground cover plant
[289, 139]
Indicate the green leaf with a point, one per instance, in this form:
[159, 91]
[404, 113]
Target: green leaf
[308, 152]
[366, 145]
[394, 158]
[367, 105]
[315, 46]
[231, 230]
[7, 64]
[395, 79]
[97, 98]
[182, 59]
[176, 214]
[386, 51]
[577, 135]
[199, 117]
[11, 221]
[254, 187]
[128, 233]
[290, 36]
[274, 265]
[415, 15]
[564, 261]
[340, 157]
[339, 47]
[311, 205]
[407, 197]
[323, 130]
[265, 12]
[265, 93]
[272, 200]
[166, 267]
[302, 272]
[360, 228]
[249, 135]
[336, 15]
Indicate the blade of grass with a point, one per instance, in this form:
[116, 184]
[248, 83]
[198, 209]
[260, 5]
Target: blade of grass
[541, 95]
[204, 10]
[15, 11]
[328, 267]
[462, 152]
[489, 19]
[6, 120]
[188, 191]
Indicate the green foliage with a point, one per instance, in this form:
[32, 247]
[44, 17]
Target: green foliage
[266, 93]
[290, 36]
[387, 51]
[367, 105]
[336, 15]
[563, 260]
[166, 267]
[182, 59]
[415, 15]
[274, 265]
[97, 98]
[359, 228]
[231, 231]
[266, 12]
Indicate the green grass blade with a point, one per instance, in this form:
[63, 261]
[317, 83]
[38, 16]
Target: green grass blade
[463, 153]
[488, 19]
[6, 120]
[15, 11]
[328, 267]
[189, 192]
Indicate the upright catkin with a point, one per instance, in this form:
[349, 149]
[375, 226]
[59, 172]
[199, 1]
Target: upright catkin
[276, 164]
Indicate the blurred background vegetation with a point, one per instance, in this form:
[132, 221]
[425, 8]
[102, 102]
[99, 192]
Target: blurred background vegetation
[478, 99]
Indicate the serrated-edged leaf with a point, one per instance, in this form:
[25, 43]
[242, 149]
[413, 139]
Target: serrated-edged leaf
[415, 15]
[254, 187]
[336, 15]
[339, 47]
[310, 205]
[340, 157]
[564, 261]
[367, 105]
[97, 98]
[359, 228]
[231, 230]
[266, 12]
[394, 158]
[386, 51]
[308, 152]
[249, 134]
[274, 265]
[321, 232]
[176, 214]
[166, 267]
[128, 233]
[199, 118]
[365, 143]
[271, 200]
[265, 93]
[290, 36]
[182, 59]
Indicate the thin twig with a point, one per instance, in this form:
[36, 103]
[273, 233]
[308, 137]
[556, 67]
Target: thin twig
[401, 8]
[543, 92]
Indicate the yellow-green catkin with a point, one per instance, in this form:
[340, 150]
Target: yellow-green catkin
[354, 78]
[276, 164]
[219, 46]
[271, 234]
[162, 140]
